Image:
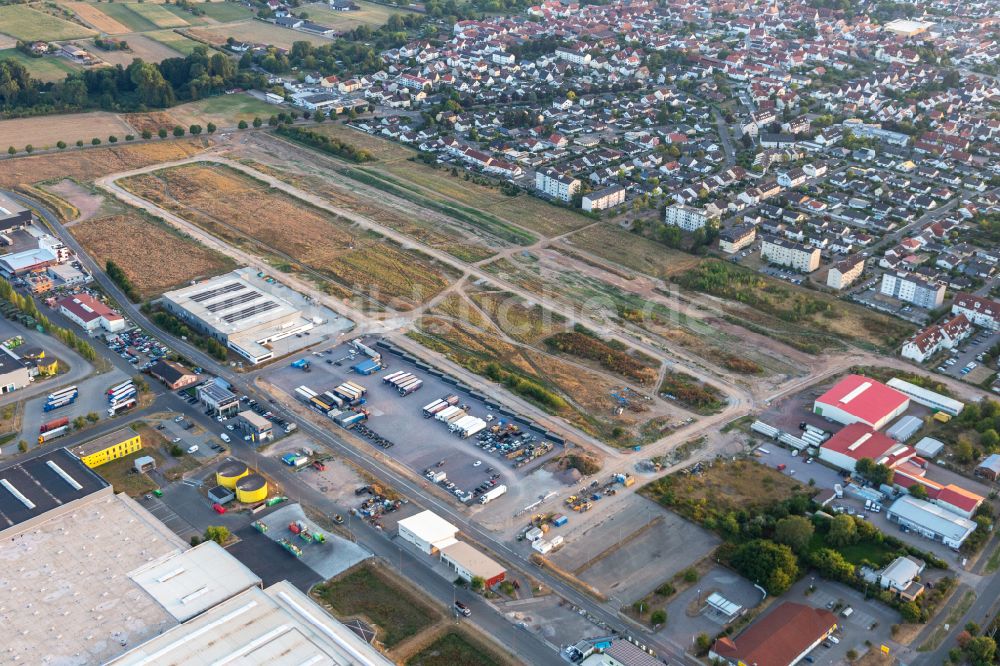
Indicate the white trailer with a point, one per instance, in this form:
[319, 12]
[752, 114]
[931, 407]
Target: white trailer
[304, 393]
[460, 423]
[428, 408]
[492, 494]
[330, 397]
[473, 429]
[392, 375]
[402, 379]
[446, 413]
[456, 416]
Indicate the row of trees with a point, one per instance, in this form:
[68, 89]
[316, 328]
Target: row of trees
[179, 329]
[163, 133]
[27, 305]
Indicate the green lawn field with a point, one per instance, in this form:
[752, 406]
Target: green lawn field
[46, 69]
[175, 41]
[158, 15]
[29, 25]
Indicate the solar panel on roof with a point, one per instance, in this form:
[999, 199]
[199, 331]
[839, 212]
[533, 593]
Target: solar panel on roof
[246, 313]
[211, 293]
[235, 300]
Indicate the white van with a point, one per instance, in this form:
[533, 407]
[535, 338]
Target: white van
[847, 612]
[224, 437]
[193, 448]
[834, 640]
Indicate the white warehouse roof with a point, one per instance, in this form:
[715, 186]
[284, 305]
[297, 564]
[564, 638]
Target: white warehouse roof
[926, 397]
[429, 527]
[941, 521]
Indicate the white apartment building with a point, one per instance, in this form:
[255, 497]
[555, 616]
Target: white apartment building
[913, 288]
[982, 312]
[609, 197]
[686, 217]
[784, 252]
[737, 237]
[556, 185]
[844, 273]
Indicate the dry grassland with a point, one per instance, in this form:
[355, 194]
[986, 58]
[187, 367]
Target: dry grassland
[96, 19]
[155, 257]
[632, 251]
[87, 165]
[152, 121]
[46, 131]
[236, 208]
[140, 46]
[518, 320]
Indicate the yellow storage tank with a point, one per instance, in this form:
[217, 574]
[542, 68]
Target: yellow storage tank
[230, 472]
[251, 489]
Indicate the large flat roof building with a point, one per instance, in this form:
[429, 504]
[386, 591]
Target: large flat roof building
[856, 398]
[428, 531]
[13, 215]
[931, 521]
[243, 316]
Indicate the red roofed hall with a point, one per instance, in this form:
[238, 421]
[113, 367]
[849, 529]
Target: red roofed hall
[89, 313]
[782, 638]
[858, 399]
[857, 441]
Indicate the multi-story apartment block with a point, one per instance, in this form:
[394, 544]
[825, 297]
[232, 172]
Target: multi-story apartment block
[844, 273]
[737, 237]
[913, 288]
[556, 185]
[784, 252]
[980, 311]
[686, 217]
[936, 337]
[609, 197]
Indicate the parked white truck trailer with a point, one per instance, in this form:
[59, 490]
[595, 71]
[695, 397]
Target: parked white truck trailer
[492, 494]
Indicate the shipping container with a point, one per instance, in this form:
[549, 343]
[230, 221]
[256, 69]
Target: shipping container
[559, 520]
[52, 425]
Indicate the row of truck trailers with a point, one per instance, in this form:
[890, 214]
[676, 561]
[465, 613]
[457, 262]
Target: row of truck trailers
[342, 404]
[457, 419]
[120, 398]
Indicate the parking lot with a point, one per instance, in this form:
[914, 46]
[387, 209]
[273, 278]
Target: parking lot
[397, 427]
[966, 361]
[684, 623]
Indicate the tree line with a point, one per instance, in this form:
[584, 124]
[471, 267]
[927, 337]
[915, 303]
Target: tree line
[138, 87]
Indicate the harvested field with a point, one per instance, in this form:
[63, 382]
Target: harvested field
[123, 13]
[371, 15]
[173, 40]
[44, 132]
[152, 121]
[86, 165]
[148, 251]
[45, 69]
[371, 593]
[31, 25]
[223, 12]
[632, 251]
[93, 16]
[240, 210]
[256, 32]
[139, 46]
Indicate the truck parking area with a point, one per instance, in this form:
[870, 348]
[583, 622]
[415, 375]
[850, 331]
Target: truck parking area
[497, 449]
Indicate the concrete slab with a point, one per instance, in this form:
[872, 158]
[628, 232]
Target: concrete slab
[327, 559]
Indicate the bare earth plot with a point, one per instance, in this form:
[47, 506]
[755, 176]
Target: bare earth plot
[140, 46]
[44, 132]
[243, 211]
[90, 164]
[256, 32]
[155, 257]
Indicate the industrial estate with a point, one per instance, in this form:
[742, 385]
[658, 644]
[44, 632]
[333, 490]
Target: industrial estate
[623, 333]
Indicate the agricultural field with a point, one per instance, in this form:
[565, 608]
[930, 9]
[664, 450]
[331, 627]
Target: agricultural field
[223, 12]
[87, 165]
[256, 32]
[92, 15]
[140, 46]
[123, 14]
[158, 15]
[455, 648]
[370, 593]
[223, 110]
[395, 166]
[634, 252]
[149, 251]
[807, 320]
[48, 68]
[248, 213]
[371, 15]
[29, 25]
[44, 132]
[173, 40]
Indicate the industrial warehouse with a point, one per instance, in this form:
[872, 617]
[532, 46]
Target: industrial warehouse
[140, 594]
[245, 317]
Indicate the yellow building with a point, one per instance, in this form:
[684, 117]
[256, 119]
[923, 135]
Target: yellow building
[112, 446]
